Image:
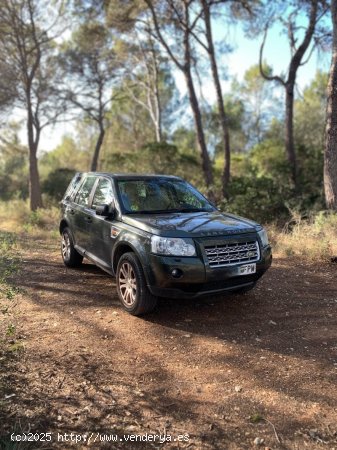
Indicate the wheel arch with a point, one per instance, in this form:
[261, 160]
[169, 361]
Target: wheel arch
[123, 247]
[118, 252]
[63, 224]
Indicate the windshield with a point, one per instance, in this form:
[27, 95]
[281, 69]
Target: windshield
[159, 195]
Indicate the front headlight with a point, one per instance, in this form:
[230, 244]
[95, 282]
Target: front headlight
[172, 246]
[264, 237]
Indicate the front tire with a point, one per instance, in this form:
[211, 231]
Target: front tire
[131, 286]
[70, 255]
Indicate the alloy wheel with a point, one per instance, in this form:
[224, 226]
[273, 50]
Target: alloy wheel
[66, 246]
[127, 284]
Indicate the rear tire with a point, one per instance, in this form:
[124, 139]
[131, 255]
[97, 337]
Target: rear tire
[131, 286]
[70, 255]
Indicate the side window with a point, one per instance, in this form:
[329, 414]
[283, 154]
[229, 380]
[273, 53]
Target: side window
[103, 194]
[82, 197]
[74, 184]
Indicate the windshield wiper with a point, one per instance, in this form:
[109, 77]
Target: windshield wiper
[193, 210]
[154, 211]
[169, 211]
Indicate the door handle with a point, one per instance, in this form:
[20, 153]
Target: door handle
[72, 211]
[89, 219]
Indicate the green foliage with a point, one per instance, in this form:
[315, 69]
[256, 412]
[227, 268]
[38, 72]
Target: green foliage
[11, 292]
[122, 15]
[35, 218]
[268, 159]
[260, 185]
[310, 111]
[129, 128]
[325, 220]
[261, 181]
[10, 330]
[184, 138]
[256, 418]
[156, 157]
[9, 265]
[311, 178]
[9, 262]
[260, 105]
[241, 165]
[258, 198]
[41, 219]
[13, 165]
[57, 182]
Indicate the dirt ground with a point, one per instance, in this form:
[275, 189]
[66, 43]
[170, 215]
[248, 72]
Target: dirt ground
[257, 370]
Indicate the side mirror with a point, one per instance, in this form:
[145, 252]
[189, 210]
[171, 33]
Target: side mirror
[105, 211]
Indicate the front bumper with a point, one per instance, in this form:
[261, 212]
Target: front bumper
[197, 278]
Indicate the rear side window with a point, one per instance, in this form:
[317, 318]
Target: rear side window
[83, 195]
[72, 188]
[103, 194]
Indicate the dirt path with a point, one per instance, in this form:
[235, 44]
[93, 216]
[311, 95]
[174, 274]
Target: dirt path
[214, 369]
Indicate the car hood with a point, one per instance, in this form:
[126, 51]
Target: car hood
[194, 224]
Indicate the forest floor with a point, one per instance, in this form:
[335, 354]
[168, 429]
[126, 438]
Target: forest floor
[257, 370]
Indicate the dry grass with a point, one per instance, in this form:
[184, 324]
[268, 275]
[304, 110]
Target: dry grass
[313, 239]
[16, 216]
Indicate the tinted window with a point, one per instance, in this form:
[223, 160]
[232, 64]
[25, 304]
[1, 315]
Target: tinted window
[82, 197]
[70, 192]
[103, 194]
[161, 195]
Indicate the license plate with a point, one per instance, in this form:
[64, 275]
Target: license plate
[247, 269]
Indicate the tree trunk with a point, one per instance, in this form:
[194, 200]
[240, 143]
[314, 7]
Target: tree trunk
[158, 132]
[289, 137]
[297, 53]
[330, 154]
[219, 96]
[35, 196]
[158, 124]
[34, 183]
[185, 67]
[157, 102]
[206, 162]
[99, 142]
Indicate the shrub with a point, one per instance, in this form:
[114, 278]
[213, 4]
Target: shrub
[57, 182]
[259, 198]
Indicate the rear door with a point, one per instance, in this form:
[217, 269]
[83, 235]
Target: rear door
[82, 214]
[102, 239]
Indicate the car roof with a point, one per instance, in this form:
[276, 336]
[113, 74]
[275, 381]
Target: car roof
[132, 176]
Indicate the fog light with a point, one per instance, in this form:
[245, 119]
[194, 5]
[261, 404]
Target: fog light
[177, 273]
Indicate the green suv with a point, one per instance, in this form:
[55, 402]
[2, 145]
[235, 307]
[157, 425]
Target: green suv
[159, 237]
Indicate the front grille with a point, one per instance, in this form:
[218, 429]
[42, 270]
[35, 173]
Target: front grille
[232, 253]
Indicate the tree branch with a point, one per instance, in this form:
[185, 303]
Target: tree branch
[160, 36]
[276, 78]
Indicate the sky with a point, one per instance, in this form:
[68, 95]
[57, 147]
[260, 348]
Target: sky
[244, 55]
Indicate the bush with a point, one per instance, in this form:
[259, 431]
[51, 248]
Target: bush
[57, 182]
[157, 157]
[258, 198]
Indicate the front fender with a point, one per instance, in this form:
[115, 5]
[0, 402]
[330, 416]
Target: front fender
[139, 244]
